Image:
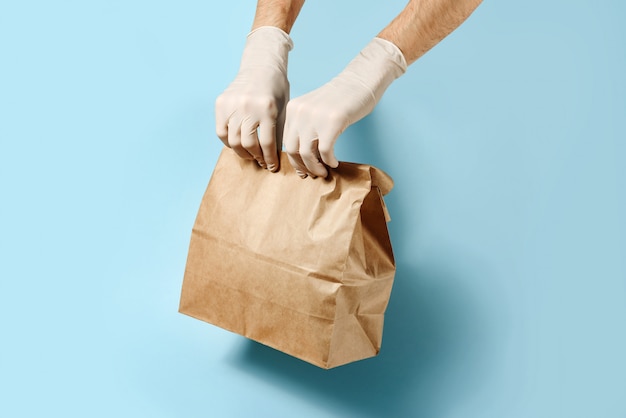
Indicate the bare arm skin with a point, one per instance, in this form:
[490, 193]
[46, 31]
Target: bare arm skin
[423, 23]
[254, 115]
[419, 27]
[279, 13]
[315, 120]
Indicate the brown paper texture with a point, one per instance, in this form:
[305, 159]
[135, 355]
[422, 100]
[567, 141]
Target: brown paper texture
[303, 266]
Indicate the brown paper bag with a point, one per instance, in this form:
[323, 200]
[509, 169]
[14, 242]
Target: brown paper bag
[303, 266]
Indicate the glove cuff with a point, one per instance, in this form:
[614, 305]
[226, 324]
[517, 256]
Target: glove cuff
[395, 57]
[377, 66]
[267, 46]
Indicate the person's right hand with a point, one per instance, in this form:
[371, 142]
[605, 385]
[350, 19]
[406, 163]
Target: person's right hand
[250, 113]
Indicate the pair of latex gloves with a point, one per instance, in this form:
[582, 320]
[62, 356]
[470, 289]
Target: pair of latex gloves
[254, 115]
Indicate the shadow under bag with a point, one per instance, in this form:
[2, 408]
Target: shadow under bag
[303, 266]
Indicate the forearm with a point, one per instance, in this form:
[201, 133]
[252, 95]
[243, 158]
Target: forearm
[279, 13]
[423, 23]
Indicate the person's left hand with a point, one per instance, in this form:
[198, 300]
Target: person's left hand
[315, 121]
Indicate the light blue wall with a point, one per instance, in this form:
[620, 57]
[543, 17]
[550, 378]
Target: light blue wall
[507, 143]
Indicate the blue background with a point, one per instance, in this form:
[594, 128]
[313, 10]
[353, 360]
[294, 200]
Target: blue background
[507, 145]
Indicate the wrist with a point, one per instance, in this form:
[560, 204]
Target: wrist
[267, 46]
[279, 13]
[377, 66]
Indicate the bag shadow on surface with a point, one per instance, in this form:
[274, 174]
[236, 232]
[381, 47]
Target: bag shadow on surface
[427, 329]
[431, 338]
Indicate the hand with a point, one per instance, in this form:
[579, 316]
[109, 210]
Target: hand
[250, 113]
[315, 121]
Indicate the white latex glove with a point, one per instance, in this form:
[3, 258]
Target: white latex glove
[315, 120]
[250, 113]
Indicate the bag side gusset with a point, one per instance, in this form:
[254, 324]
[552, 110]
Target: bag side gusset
[367, 279]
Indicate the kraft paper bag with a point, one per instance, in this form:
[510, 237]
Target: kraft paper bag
[303, 266]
